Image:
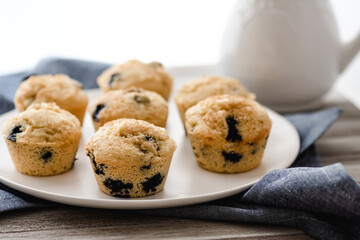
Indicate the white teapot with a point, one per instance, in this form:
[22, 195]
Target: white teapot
[288, 52]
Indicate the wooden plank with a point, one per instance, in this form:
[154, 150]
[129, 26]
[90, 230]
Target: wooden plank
[344, 127]
[334, 99]
[109, 233]
[353, 168]
[348, 110]
[338, 146]
[341, 143]
[79, 223]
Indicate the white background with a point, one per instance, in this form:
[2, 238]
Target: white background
[175, 32]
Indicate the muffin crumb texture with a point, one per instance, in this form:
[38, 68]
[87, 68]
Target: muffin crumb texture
[134, 73]
[228, 133]
[67, 93]
[130, 158]
[132, 102]
[43, 140]
[206, 86]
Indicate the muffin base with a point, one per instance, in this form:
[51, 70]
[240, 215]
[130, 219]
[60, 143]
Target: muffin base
[43, 159]
[124, 179]
[226, 158]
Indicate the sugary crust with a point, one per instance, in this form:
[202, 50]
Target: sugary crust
[134, 73]
[122, 139]
[67, 93]
[44, 123]
[132, 102]
[204, 87]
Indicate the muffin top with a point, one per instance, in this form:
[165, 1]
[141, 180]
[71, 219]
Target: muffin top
[59, 88]
[130, 140]
[130, 103]
[228, 117]
[150, 76]
[42, 123]
[206, 86]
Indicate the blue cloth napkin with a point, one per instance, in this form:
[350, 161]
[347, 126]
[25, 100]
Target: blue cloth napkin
[322, 201]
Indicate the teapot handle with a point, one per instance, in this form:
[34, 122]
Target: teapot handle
[348, 51]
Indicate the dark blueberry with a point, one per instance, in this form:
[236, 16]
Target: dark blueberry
[194, 151]
[115, 77]
[46, 155]
[96, 112]
[99, 168]
[90, 155]
[118, 188]
[145, 167]
[151, 183]
[233, 134]
[14, 131]
[232, 156]
[204, 151]
[27, 77]
[73, 163]
[141, 99]
[254, 151]
[151, 139]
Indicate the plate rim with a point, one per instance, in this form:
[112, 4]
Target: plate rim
[142, 203]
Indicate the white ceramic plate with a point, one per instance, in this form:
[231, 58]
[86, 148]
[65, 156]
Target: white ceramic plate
[187, 183]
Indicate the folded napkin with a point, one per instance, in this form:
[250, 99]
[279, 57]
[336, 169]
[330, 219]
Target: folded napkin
[322, 201]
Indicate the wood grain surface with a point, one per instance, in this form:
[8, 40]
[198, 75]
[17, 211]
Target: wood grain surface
[339, 144]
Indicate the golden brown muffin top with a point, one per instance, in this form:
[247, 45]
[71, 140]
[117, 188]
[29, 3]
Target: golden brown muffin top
[206, 86]
[228, 117]
[134, 73]
[130, 140]
[42, 123]
[59, 88]
[130, 102]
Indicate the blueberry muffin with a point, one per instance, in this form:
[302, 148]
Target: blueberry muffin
[228, 133]
[130, 157]
[134, 73]
[42, 140]
[206, 86]
[129, 103]
[67, 93]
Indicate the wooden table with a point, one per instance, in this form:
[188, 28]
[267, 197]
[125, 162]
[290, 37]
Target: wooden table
[340, 144]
